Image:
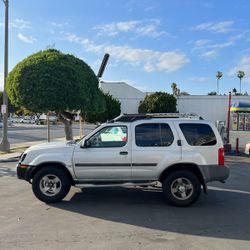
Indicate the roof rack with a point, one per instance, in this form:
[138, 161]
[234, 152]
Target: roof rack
[135, 117]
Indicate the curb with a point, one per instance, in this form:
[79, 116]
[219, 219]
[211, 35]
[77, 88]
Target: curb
[14, 159]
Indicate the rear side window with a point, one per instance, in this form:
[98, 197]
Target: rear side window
[198, 134]
[153, 135]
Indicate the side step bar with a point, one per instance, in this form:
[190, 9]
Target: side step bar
[126, 184]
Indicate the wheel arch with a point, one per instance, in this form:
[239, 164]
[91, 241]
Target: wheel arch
[185, 166]
[53, 164]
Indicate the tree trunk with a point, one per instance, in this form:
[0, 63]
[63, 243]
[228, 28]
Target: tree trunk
[66, 118]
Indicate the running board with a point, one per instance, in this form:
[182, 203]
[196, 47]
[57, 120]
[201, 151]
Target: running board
[126, 184]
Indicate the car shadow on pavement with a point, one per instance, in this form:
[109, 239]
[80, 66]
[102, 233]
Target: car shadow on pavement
[220, 214]
[4, 171]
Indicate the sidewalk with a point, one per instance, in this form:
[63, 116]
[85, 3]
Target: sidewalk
[13, 157]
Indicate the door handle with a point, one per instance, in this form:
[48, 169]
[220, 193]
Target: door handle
[123, 153]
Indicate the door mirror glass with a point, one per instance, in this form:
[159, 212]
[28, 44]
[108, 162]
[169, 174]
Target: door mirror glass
[86, 144]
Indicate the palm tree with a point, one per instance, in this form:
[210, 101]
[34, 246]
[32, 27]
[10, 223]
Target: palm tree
[218, 76]
[240, 74]
[174, 88]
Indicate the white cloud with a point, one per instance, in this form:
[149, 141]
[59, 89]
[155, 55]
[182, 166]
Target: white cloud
[201, 42]
[60, 25]
[142, 28]
[210, 49]
[149, 67]
[199, 79]
[243, 64]
[26, 39]
[149, 60]
[20, 24]
[210, 54]
[219, 27]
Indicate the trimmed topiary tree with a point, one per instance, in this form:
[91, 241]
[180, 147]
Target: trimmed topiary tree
[53, 81]
[159, 102]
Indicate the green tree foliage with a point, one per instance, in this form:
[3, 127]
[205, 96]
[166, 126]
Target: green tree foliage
[53, 81]
[112, 110]
[159, 102]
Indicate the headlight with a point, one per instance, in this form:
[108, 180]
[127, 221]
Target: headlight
[22, 157]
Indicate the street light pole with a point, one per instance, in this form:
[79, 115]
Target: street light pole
[5, 145]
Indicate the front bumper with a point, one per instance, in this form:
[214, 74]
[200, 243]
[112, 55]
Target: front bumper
[215, 172]
[24, 173]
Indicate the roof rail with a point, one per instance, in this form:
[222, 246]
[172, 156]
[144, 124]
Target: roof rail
[135, 117]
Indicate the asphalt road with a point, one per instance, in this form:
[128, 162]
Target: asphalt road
[126, 218]
[23, 133]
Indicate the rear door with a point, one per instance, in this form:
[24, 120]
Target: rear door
[154, 146]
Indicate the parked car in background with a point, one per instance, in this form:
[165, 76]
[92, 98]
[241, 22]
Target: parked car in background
[247, 148]
[43, 119]
[26, 120]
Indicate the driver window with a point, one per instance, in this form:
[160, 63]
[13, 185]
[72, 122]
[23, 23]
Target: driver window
[111, 136]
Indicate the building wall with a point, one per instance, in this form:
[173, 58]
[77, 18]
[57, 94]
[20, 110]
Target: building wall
[129, 96]
[213, 108]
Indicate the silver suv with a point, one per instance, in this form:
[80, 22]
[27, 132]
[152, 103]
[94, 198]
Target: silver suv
[180, 154]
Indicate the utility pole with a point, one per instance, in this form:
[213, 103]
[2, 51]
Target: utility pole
[5, 145]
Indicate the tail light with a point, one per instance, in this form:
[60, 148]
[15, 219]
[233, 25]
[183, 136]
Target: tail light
[221, 156]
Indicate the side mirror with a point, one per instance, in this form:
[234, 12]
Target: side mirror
[86, 144]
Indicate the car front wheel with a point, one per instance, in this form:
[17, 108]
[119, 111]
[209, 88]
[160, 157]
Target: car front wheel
[181, 188]
[50, 184]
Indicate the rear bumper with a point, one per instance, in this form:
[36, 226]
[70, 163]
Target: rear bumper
[215, 172]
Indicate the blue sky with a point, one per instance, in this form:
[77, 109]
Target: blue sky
[152, 43]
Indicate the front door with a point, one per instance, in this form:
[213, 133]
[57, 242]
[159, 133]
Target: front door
[106, 157]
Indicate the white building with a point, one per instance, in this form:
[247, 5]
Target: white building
[129, 96]
[210, 107]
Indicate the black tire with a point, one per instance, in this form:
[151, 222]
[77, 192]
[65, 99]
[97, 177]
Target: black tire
[172, 184]
[38, 184]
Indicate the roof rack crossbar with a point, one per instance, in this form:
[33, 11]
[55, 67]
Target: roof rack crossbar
[134, 117]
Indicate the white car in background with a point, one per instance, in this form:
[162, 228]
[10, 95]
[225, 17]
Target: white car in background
[25, 120]
[247, 148]
[28, 120]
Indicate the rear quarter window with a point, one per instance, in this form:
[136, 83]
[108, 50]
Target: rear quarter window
[198, 134]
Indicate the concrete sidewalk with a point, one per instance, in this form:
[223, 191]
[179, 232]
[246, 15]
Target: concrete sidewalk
[13, 157]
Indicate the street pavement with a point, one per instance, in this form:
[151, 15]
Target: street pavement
[126, 218]
[23, 134]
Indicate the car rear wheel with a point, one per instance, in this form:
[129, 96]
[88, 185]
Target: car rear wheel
[50, 184]
[181, 188]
